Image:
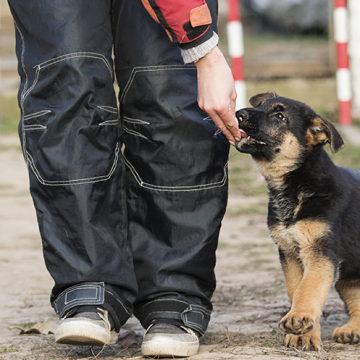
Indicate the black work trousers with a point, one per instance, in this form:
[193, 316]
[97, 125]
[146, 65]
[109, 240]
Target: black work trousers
[130, 202]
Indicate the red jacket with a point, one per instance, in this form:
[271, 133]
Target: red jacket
[187, 22]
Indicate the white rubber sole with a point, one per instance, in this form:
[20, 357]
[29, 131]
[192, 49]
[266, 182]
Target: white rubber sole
[161, 348]
[82, 332]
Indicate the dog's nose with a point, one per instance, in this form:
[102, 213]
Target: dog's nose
[242, 115]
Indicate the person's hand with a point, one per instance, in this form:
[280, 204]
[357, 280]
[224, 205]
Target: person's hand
[217, 94]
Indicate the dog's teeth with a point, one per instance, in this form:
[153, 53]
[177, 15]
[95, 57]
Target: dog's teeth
[248, 138]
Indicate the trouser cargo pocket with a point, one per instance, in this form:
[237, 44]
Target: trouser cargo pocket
[69, 128]
[171, 144]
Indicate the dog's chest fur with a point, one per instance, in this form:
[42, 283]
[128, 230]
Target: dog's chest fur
[283, 208]
[290, 223]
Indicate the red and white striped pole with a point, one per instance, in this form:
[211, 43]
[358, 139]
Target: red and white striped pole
[236, 51]
[343, 76]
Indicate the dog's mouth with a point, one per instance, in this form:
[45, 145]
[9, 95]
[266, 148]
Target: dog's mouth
[248, 140]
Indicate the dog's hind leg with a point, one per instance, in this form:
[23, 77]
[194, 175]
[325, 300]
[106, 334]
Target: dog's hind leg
[349, 291]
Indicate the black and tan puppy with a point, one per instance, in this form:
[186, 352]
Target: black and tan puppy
[313, 214]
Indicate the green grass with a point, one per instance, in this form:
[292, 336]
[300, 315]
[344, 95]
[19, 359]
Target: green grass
[262, 249]
[10, 147]
[249, 210]
[260, 261]
[349, 156]
[271, 343]
[27, 325]
[9, 114]
[274, 288]
[266, 39]
[319, 94]
[268, 245]
[260, 253]
[244, 178]
[7, 349]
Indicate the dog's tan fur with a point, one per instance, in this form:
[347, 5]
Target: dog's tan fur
[308, 340]
[299, 236]
[307, 291]
[284, 161]
[349, 291]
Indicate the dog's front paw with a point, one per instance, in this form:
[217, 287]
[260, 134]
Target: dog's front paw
[297, 323]
[309, 341]
[347, 334]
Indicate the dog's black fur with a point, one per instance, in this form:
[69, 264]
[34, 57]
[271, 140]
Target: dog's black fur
[313, 212]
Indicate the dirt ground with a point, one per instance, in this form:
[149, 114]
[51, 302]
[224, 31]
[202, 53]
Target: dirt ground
[249, 301]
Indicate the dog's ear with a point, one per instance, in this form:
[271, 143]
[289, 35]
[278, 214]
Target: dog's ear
[321, 131]
[257, 99]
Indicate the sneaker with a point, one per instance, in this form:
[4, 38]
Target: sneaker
[163, 339]
[86, 325]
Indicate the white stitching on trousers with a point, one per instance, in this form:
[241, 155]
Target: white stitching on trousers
[109, 122]
[135, 70]
[62, 58]
[34, 127]
[135, 121]
[175, 188]
[37, 114]
[135, 133]
[76, 181]
[109, 109]
[76, 55]
[34, 83]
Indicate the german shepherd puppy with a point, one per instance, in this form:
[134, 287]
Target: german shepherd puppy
[313, 212]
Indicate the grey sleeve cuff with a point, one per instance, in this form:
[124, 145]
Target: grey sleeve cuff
[196, 53]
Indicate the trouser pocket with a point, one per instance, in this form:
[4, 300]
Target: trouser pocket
[70, 121]
[171, 144]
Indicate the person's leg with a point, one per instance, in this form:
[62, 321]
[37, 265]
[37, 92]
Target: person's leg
[70, 139]
[176, 172]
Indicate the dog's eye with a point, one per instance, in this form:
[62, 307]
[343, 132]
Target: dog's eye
[280, 116]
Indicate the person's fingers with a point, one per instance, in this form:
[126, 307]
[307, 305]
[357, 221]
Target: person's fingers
[229, 120]
[236, 133]
[222, 127]
[233, 102]
[224, 118]
[217, 93]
